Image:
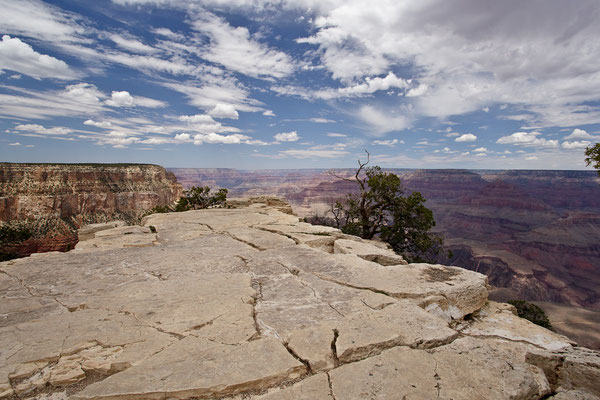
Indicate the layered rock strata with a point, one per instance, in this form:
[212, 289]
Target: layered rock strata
[32, 191]
[250, 303]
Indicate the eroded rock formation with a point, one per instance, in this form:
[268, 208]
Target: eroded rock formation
[250, 303]
[32, 191]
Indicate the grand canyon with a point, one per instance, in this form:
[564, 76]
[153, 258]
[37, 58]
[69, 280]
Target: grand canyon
[533, 233]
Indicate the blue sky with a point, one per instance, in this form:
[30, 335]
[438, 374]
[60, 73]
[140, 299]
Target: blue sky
[301, 84]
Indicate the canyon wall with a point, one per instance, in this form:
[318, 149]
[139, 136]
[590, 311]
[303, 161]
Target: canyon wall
[49, 201]
[29, 191]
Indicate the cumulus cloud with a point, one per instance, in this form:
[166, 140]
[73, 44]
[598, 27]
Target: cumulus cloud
[197, 119]
[269, 113]
[214, 138]
[124, 99]
[41, 130]
[575, 145]
[333, 134]
[527, 139]
[580, 134]
[480, 150]
[99, 124]
[287, 137]
[16, 55]
[224, 111]
[467, 137]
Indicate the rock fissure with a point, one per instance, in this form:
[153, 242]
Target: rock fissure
[334, 354]
[262, 228]
[21, 283]
[330, 386]
[297, 357]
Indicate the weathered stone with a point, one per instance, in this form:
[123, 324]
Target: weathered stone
[247, 302]
[368, 251]
[496, 320]
[314, 388]
[574, 395]
[571, 368]
[473, 369]
[201, 368]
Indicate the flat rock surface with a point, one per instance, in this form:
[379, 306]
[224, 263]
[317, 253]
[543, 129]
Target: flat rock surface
[250, 303]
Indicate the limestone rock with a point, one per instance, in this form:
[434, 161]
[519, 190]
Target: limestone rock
[495, 320]
[250, 302]
[368, 251]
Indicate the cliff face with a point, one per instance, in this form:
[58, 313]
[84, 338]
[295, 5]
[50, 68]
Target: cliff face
[535, 231]
[251, 303]
[30, 191]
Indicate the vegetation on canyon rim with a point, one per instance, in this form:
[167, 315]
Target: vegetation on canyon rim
[532, 313]
[380, 209]
[199, 197]
[593, 156]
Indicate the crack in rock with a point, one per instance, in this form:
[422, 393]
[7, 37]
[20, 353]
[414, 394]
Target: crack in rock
[297, 357]
[330, 386]
[336, 360]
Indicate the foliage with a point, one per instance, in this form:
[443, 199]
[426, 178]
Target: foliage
[14, 234]
[157, 210]
[381, 209]
[593, 156]
[532, 313]
[198, 197]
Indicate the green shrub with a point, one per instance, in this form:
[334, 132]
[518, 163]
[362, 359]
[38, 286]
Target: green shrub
[531, 312]
[199, 197]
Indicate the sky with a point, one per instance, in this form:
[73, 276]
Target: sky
[478, 84]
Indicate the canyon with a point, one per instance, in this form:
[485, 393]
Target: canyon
[52, 200]
[248, 302]
[535, 234]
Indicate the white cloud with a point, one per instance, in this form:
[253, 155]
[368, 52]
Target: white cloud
[224, 111]
[469, 57]
[314, 153]
[467, 137]
[527, 139]
[120, 99]
[218, 91]
[381, 121]
[389, 143]
[452, 134]
[183, 137]
[15, 144]
[124, 99]
[575, 145]
[18, 56]
[269, 113]
[197, 119]
[322, 120]
[287, 137]
[101, 124]
[580, 134]
[417, 91]
[236, 49]
[40, 130]
[36, 19]
[214, 138]
[131, 44]
[480, 150]
[333, 134]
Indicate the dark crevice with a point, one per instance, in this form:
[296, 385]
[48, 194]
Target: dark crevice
[336, 360]
[335, 309]
[278, 233]
[254, 246]
[257, 334]
[330, 386]
[297, 357]
[378, 308]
